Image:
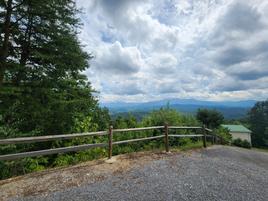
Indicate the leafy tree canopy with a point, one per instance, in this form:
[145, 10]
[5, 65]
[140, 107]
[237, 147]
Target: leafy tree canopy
[210, 118]
[168, 116]
[42, 87]
[258, 119]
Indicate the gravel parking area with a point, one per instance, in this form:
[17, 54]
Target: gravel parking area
[215, 173]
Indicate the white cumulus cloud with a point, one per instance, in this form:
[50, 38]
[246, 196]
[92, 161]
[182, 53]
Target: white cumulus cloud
[149, 50]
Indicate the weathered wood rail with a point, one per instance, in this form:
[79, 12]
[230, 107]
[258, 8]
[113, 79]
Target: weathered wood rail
[204, 134]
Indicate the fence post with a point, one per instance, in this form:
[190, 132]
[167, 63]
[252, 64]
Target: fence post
[204, 136]
[166, 138]
[212, 138]
[110, 142]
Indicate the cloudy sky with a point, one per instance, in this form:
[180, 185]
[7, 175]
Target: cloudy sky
[161, 49]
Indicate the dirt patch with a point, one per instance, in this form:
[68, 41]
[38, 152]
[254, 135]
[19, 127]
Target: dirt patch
[57, 179]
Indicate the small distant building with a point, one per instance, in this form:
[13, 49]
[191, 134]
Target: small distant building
[238, 131]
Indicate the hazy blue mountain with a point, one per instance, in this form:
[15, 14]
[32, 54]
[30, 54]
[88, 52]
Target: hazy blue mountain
[230, 109]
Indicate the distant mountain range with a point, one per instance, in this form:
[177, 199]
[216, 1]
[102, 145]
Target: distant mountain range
[230, 109]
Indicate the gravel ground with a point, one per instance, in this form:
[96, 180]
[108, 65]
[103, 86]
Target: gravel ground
[217, 173]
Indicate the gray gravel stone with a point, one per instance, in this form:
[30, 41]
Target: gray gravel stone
[217, 173]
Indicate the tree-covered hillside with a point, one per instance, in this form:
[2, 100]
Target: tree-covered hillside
[229, 109]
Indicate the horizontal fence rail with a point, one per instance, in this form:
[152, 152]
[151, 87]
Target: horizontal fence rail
[165, 129]
[209, 130]
[50, 137]
[187, 135]
[183, 127]
[51, 151]
[137, 129]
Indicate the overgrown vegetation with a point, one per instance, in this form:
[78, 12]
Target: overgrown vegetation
[241, 143]
[258, 121]
[224, 134]
[42, 89]
[158, 117]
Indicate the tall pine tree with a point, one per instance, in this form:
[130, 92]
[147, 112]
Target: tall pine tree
[41, 85]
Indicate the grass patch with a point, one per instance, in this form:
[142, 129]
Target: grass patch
[261, 149]
[191, 145]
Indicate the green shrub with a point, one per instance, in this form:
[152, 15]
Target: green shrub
[241, 143]
[237, 142]
[64, 160]
[224, 134]
[246, 144]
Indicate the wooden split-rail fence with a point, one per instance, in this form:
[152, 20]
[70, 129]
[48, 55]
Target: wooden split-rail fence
[205, 132]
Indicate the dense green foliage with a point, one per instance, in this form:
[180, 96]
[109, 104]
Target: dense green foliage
[41, 70]
[158, 117]
[258, 121]
[155, 118]
[210, 118]
[224, 134]
[241, 143]
[42, 89]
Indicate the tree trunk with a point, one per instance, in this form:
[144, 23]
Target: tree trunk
[4, 49]
[25, 47]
